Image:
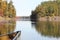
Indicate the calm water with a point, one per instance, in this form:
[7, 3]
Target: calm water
[48, 30]
[39, 30]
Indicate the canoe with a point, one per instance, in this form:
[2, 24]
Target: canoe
[10, 36]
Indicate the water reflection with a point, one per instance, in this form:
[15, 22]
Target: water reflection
[6, 28]
[48, 28]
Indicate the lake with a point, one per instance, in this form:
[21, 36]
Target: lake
[47, 30]
[39, 30]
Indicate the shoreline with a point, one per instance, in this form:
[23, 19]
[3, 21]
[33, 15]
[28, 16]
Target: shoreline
[7, 18]
[56, 18]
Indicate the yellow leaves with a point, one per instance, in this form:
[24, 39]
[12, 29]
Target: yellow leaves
[7, 7]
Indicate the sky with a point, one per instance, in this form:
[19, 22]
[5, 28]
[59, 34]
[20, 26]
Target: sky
[24, 7]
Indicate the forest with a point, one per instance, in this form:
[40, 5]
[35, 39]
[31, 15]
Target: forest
[46, 8]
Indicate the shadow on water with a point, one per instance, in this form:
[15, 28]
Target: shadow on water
[48, 28]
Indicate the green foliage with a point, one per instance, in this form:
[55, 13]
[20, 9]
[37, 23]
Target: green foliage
[49, 8]
[50, 11]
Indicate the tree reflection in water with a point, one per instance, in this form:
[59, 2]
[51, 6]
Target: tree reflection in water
[6, 28]
[48, 28]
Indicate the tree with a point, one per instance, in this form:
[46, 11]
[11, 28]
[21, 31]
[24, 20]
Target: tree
[50, 11]
[34, 16]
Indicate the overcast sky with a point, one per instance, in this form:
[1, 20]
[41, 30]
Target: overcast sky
[24, 7]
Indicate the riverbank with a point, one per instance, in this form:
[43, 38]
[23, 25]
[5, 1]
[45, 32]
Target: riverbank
[6, 19]
[55, 18]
